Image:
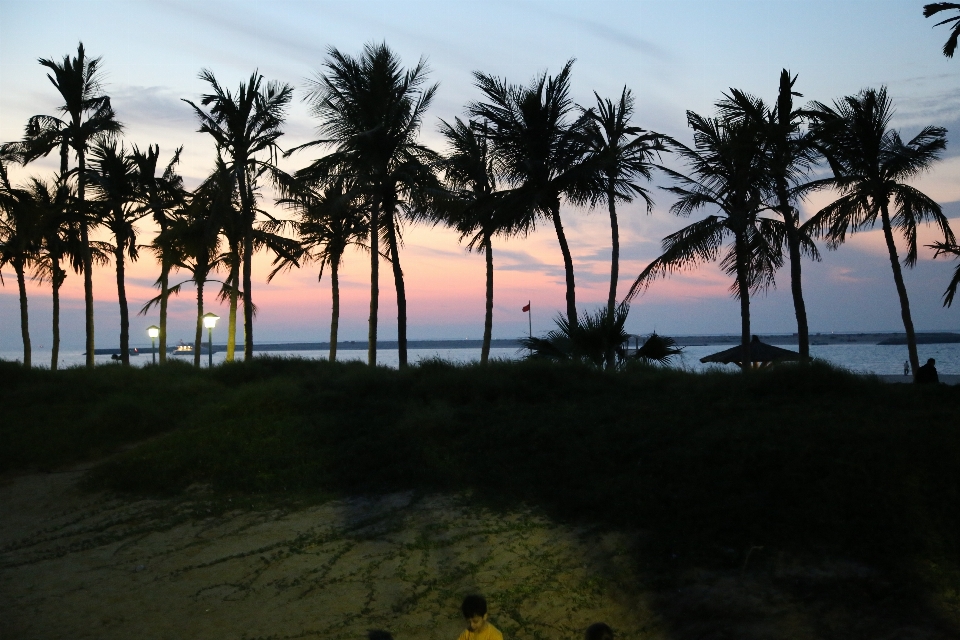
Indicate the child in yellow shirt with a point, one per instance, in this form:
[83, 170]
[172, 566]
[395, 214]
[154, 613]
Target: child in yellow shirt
[474, 610]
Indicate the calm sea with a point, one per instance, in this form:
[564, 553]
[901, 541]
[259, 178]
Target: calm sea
[867, 358]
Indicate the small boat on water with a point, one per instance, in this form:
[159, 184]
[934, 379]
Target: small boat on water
[131, 351]
[182, 350]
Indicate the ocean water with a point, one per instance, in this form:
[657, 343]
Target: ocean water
[865, 358]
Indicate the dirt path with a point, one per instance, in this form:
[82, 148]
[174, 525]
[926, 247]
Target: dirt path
[76, 565]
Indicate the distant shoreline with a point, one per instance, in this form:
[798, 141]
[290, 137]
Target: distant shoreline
[884, 338]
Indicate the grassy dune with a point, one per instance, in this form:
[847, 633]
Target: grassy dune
[720, 472]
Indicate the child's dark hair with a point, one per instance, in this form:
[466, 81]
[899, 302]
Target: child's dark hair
[599, 631]
[474, 605]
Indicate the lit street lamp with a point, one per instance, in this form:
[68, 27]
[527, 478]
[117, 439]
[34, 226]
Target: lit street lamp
[153, 331]
[210, 321]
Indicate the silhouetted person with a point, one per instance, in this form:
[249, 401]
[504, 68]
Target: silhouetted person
[379, 634]
[927, 374]
[474, 609]
[598, 631]
[906, 367]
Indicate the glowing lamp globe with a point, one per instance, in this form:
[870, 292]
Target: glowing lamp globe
[153, 331]
[210, 320]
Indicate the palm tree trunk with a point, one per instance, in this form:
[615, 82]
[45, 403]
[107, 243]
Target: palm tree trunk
[247, 297]
[614, 253]
[401, 292]
[743, 289]
[232, 322]
[124, 312]
[335, 312]
[614, 265]
[374, 282]
[792, 221]
[24, 316]
[164, 297]
[567, 267]
[87, 260]
[488, 313]
[198, 336]
[56, 281]
[901, 289]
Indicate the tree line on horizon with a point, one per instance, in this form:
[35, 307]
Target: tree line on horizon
[517, 155]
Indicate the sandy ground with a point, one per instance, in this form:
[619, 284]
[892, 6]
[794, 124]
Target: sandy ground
[79, 565]
[76, 565]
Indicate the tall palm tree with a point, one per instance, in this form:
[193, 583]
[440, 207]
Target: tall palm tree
[370, 111]
[790, 152]
[871, 164]
[331, 217]
[60, 240]
[20, 240]
[625, 153]
[950, 46]
[539, 148]
[469, 203]
[729, 173]
[87, 114]
[244, 126]
[114, 182]
[159, 196]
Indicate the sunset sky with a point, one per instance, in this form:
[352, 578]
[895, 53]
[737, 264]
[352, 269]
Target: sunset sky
[674, 54]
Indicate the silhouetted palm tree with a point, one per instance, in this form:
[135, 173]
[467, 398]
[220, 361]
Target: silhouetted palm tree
[729, 173]
[244, 126]
[20, 239]
[370, 111]
[113, 180]
[87, 115]
[950, 46]
[470, 203]
[331, 217]
[60, 240]
[870, 165]
[540, 150]
[158, 196]
[625, 153]
[790, 152]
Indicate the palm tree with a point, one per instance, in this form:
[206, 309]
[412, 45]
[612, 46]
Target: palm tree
[470, 202]
[87, 115]
[114, 181]
[331, 218]
[244, 126]
[60, 240]
[790, 152]
[870, 164]
[950, 46]
[158, 196]
[540, 151]
[370, 111]
[19, 245]
[729, 172]
[625, 153]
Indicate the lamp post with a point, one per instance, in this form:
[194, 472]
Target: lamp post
[153, 331]
[210, 321]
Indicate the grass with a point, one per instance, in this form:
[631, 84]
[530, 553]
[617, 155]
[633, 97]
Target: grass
[803, 459]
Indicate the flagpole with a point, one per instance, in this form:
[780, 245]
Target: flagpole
[530, 318]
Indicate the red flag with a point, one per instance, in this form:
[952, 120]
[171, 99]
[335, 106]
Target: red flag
[526, 308]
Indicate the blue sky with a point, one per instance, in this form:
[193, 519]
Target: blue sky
[675, 55]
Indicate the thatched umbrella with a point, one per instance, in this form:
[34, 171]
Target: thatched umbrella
[761, 355]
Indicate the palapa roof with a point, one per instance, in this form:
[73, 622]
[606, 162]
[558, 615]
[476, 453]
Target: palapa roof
[760, 352]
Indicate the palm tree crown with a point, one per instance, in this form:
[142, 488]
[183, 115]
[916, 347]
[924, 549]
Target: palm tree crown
[950, 46]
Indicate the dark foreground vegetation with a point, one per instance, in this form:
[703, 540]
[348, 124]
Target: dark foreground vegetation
[805, 462]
